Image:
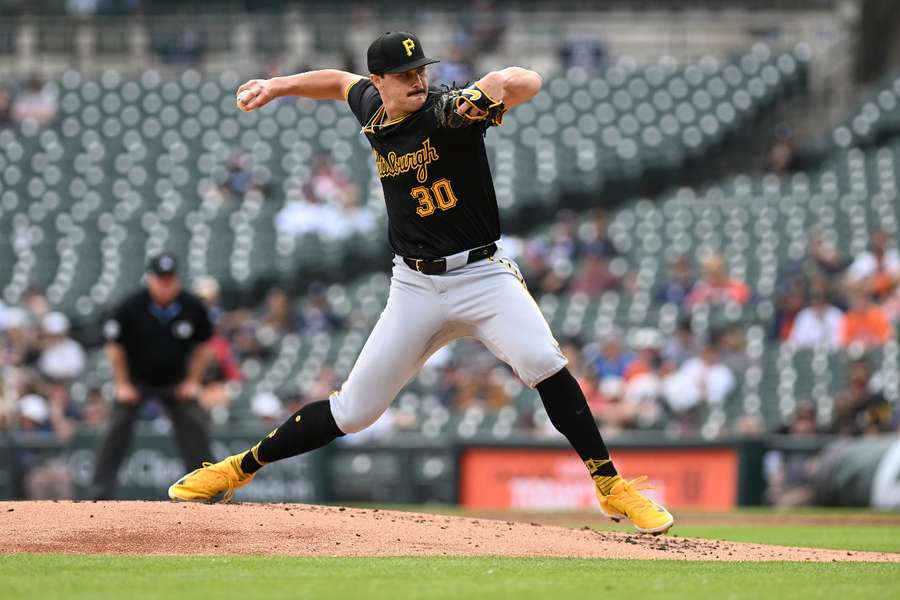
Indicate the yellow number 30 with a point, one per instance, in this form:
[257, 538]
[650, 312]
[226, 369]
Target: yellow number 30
[440, 194]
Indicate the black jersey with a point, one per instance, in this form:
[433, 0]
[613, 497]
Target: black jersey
[436, 180]
[158, 342]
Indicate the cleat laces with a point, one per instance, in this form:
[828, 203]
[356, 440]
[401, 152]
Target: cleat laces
[630, 496]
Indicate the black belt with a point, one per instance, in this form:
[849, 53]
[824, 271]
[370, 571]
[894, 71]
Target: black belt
[436, 266]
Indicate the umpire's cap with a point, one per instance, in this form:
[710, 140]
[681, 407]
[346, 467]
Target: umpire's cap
[163, 264]
[396, 52]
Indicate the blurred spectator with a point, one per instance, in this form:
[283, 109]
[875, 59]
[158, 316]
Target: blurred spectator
[865, 324]
[717, 287]
[222, 367]
[327, 204]
[278, 313]
[878, 270]
[788, 473]
[347, 218]
[36, 103]
[790, 302]
[482, 385]
[749, 425]
[613, 360]
[95, 412]
[6, 107]
[64, 414]
[602, 243]
[647, 359]
[247, 344]
[239, 180]
[582, 51]
[803, 421]
[539, 273]
[732, 348]
[681, 282]
[20, 337]
[699, 382]
[818, 325]
[594, 277]
[455, 69]
[326, 382]
[34, 414]
[859, 408]
[45, 478]
[62, 358]
[781, 155]
[682, 346]
[613, 415]
[267, 408]
[35, 302]
[299, 216]
[316, 314]
[643, 383]
[327, 184]
[826, 257]
[562, 242]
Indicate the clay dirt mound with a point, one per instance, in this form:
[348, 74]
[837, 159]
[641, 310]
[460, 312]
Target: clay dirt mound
[305, 530]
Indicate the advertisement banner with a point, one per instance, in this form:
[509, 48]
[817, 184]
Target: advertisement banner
[153, 464]
[544, 479]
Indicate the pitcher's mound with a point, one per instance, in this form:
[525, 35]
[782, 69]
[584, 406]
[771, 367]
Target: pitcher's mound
[304, 530]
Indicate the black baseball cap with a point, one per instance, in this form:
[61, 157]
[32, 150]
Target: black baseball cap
[396, 52]
[163, 264]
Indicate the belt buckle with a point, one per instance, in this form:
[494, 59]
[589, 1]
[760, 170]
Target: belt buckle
[418, 262]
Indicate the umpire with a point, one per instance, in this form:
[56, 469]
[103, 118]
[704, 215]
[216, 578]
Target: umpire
[157, 348]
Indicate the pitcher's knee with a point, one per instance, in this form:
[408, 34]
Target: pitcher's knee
[536, 364]
[349, 416]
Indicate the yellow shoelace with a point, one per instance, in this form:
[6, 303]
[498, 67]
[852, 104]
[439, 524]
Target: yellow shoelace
[630, 495]
[229, 487]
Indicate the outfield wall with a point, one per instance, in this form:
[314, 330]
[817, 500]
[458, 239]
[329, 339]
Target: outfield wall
[518, 474]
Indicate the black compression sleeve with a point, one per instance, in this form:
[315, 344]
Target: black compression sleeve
[309, 428]
[568, 411]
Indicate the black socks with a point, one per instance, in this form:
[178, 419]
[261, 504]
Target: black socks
[568, 411]
[313, 426]
[309, 428]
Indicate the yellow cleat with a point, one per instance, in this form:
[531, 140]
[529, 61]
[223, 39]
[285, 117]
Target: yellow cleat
[212, 482]
[625, 501]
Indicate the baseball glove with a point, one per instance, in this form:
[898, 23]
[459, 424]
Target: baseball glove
[489, 111]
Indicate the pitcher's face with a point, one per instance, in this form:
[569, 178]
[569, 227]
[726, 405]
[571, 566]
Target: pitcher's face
[405, 92]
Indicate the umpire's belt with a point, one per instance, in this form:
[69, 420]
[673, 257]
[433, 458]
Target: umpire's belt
[436, 266]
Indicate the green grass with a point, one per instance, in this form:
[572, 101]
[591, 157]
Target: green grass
[244, 577]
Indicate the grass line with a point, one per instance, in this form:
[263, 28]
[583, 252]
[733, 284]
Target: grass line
[76, 577]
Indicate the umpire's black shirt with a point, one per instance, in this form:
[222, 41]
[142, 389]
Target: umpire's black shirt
[436, 180]
[158, 341]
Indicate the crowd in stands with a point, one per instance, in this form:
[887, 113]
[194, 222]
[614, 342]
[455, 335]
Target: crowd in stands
[33, 102]
[633, 380]
[327, 205]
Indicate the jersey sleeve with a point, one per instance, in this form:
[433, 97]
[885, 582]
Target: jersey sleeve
[116, 328]
[363, 99]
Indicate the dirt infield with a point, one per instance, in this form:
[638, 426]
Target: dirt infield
[304, 530]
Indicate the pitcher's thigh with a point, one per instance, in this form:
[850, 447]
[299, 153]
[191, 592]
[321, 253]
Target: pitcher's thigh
[518, 334]
[398, 345]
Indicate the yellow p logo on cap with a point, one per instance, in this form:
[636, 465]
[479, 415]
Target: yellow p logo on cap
[409, 45]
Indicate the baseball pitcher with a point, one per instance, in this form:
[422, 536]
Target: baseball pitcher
[450, 279]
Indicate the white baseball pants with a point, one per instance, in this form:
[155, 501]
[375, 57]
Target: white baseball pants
[486, 300]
